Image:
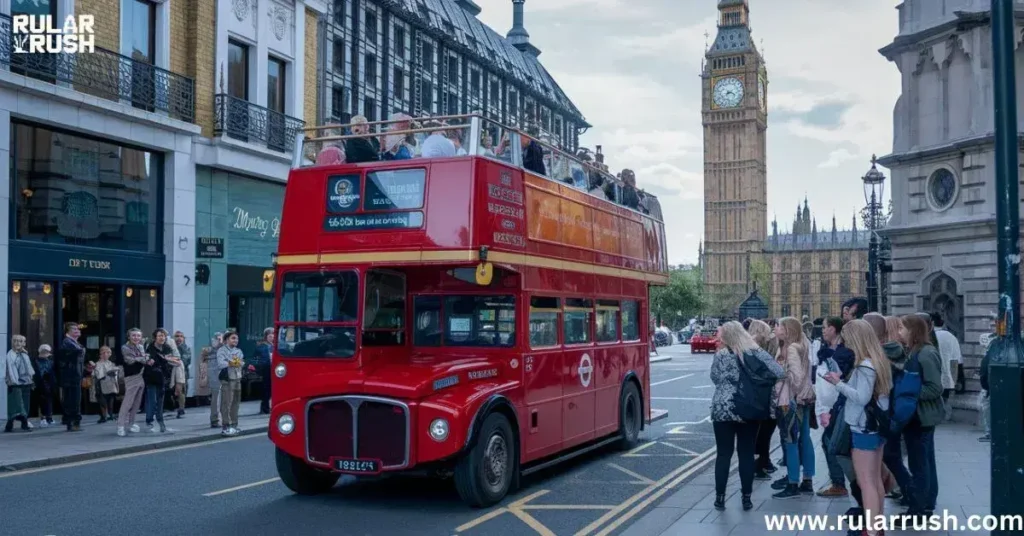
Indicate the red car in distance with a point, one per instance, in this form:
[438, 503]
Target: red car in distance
[704, 341]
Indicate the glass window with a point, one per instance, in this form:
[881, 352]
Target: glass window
[399, 42]
[338, 55]
[32, 313]
[427, 316]
[319, 297]
[139, 30]
[238, 70]
[630, 321]
[398, 80]
[370, 75]
[370, 109]
[607, 321]
[86, 192]
[275, 85]
[576, 321]
[544, 321]
[316, 341]
[384, 309]
[480, 320]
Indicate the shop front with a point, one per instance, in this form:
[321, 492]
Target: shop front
[238, 220]
[85, 239]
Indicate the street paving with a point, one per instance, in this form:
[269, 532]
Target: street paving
[230, 486]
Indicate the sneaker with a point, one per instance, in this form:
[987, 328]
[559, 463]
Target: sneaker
[894, 495]
[43, 423]
[233, 431]
[770, 469]
[120, 431]
[225, 432]
[134, 429]
[760, 474]
[807, 486]
[791, 491]
[153, 429]
[720, 502]
[28, 424]
[833, 491]
[780, 484]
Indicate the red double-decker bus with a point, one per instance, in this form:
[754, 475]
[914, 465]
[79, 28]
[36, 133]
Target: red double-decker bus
[455, 315]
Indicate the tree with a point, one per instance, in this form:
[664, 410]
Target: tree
[679, 300]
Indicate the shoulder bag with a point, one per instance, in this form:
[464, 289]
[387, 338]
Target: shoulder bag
[841, 439]
[753, 398]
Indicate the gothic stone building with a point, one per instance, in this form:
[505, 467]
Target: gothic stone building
[435, 57]
[814, 271]
[735, 120]
[942, 230]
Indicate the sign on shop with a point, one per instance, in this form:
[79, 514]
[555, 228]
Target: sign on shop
[244, 221]
[210, 248]
[88, 264]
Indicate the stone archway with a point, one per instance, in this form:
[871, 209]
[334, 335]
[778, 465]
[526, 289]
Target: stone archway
[942, 296]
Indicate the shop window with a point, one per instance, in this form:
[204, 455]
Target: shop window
[544, 321]
[576, 321]
[606, 321]
[630, 321]
[32, 313]
[86, 192]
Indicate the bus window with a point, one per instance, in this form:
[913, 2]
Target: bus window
[607, 321]
[544, 321]
[384, 309]
[576, 320]
[479, 321]
[310, 300]
[630, 321]
[427, 316]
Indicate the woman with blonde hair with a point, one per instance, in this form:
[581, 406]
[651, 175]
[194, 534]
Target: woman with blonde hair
[867, 389]
[766, 339]
[737, 409]
[795, 394]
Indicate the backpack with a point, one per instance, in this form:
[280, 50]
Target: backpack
[753, 397]
[903, 399]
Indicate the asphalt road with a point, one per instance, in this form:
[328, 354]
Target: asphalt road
[230, 486]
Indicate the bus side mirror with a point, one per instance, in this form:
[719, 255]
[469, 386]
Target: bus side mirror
[484, 273]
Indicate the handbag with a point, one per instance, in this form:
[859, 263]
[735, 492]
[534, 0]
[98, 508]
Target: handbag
[753, 397]
[223, 376]
[841, 439]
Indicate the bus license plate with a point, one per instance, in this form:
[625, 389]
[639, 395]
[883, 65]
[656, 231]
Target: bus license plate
[359, 467]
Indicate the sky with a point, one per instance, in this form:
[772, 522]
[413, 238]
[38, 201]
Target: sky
[633, 68]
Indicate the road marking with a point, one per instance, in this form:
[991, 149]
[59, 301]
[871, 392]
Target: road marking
[637, 476]
[239, 488]
[683, 469]
[481, 520]
[127, 456]
[566, 507]
[641, 447]
[687, 451]
[511, 508]
[680, 398]
[702, 386]
[531, 522]
[683, 377]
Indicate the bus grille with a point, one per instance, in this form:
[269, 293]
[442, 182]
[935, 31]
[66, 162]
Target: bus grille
[358, 427]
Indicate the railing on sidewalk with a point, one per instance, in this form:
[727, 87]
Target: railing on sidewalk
[104, 74]
[244, 121]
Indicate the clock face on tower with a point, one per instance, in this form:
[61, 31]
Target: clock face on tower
[760, 93]
[728, 92]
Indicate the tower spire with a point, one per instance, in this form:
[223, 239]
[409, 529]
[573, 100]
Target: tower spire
[518, 35]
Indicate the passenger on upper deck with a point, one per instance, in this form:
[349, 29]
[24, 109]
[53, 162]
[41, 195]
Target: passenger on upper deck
[359, 150]
[533, 153]
[399, 146]
[486, 144]
[630, 198]
[437, 144]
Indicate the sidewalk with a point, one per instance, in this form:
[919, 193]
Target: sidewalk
[54, 445]
[964, 484]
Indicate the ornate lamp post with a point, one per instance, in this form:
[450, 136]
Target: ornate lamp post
[874, 188]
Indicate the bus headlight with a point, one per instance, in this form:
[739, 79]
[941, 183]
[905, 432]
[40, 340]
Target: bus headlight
[280, 370]
[439, 430]
[285, 424]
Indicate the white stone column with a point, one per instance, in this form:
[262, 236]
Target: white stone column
[5, 201]
[180, 243]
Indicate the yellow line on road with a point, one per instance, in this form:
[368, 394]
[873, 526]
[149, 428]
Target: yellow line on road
[637, 476]
[567, 507]
[698, 466]
[239, 488]
[687, 451]
[127, 456]
[641, 447]
[709, 454]
[683, 377]
[495, 513]
[531, 522]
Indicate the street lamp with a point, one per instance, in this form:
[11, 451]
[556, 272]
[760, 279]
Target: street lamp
[874, 188]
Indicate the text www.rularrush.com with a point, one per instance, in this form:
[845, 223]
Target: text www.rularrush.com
[945, 522]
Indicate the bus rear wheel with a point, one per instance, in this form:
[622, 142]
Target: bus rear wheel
[302, 479]
[484, 475]
[630, 416]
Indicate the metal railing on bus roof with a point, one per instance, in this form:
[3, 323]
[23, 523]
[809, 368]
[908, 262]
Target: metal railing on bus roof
[509, 139]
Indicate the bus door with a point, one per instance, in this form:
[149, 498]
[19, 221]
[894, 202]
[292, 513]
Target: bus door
[542, 378]
[579, 386]
[609, 366]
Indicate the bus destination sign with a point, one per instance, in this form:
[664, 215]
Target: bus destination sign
[374, 222]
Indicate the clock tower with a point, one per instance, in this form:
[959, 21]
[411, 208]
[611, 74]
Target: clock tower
[735, 118]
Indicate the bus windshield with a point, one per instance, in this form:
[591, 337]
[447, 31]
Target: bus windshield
[465, 320]
[318, 314]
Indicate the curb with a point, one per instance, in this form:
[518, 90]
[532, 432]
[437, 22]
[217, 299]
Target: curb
[109, 453]
[661, 359]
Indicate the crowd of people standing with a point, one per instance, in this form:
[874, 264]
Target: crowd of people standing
[876, 386]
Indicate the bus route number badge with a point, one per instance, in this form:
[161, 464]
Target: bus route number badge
[586, 370]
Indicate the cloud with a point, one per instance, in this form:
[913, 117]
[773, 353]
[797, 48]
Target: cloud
[671, 179]
[837, 157]
[825, 114]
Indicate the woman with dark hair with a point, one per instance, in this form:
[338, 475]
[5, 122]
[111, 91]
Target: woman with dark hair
[919, 433]
[264, 356]
[70, 370]
[155, 375]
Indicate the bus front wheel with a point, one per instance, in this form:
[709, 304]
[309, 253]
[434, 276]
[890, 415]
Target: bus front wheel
[630, 416]
[300, 477]
[484, 475]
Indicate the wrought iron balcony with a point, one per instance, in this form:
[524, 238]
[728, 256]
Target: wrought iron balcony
[104, 74]
[244, 121]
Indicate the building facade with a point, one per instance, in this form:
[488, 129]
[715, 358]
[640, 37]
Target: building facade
[437, 58]
[735, 119]
[943, 226]
[812, 271]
